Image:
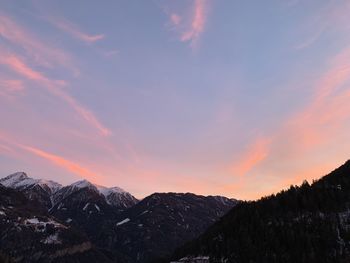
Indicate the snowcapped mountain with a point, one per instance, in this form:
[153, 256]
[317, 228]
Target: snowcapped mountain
[117, 197]
[20, 180]
[49, 193]
[34, 189]
[113, 196]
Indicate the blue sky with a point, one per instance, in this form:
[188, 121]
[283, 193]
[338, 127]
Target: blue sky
[237, 98]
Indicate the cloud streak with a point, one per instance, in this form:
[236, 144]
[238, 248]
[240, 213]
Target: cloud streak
[67, 165]
[10, 146]
[41, 54]
[74, 30]
[191, 27]
[312, 127]
[9, 87]
[197, 24]
[255, 154]
[19, 66]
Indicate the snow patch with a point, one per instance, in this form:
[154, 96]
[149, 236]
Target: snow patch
[199, 259]
[123, 221]
[86, 206]
[41, 225]
[52, 239]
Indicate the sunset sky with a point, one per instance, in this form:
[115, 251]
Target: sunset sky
[236, 98]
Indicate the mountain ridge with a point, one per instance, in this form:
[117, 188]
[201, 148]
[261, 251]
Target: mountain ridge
[114, 224]
[306, 224]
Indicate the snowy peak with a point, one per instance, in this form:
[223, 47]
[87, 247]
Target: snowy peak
[113, 196]
[117, 197]
[109, 190]
[53, 192]
[53, 186]
[83, 184]
[20, 180]
[13, 179]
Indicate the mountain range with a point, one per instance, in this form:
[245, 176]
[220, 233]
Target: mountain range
[83, 222]
[42, 221]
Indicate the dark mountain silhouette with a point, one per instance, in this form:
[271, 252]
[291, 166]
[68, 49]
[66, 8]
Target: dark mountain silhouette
[161, 222]
[309, 223]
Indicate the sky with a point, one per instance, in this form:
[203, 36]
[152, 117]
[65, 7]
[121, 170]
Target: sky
[217, 97]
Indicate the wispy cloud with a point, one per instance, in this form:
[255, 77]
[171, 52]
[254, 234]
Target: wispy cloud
[332, 17]
[5, 150]
[67, 165]
[73, 30]
[110, 53]
[12, 84]
[10, 146]
[19, 66]
[191, 27]
[198, 20]
[310, 128]
[10, 88]
[40, 53]
[252, 156]
[175, 19]
[328, 107]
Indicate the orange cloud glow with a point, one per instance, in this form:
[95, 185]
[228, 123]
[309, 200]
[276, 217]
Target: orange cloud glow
[20, 67]
[255, 154]
[63, 163]
[329, 107]
[314, 126]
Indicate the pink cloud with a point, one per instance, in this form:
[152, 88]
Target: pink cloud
[190, 27]
[19, 66]
[198, 20]
[5, 150]
[10, 146]
[10, 87]
[42, 54]
[67, 165]
[256, 153]
[74, 30]
[333, 17]
[329, 106]
[175, 19]
[13, 84]
[309, 129]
